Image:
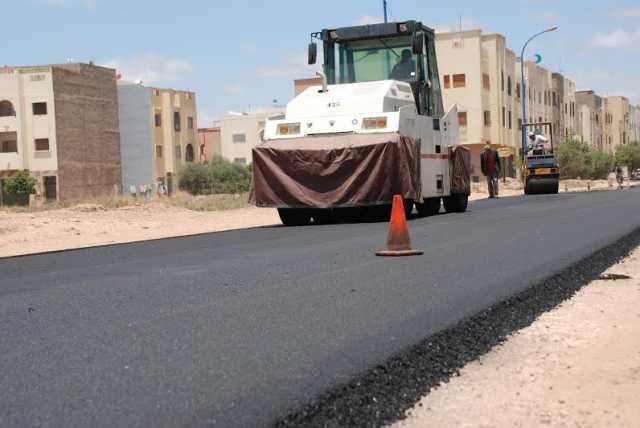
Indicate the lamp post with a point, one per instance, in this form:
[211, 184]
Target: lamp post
[384, 7]
[524, 89]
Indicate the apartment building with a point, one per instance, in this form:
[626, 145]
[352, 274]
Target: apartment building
[158, 130]
[210, 143]
[617, 130]
[60, 123]
[634, 115]
[241, 132]
[539, 92]
[477, 73]
[590, 119]
[563, 102]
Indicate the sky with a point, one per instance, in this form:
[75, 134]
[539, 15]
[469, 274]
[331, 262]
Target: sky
[241, 54]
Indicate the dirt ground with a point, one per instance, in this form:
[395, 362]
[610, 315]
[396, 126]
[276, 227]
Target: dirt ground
[576, 366]
[92, 224]
[97, 223]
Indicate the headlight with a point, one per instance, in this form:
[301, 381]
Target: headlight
[374, 123]
[289, 129]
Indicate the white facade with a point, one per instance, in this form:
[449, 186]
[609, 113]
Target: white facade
[477, 73]
[20, 89]
[241, 132]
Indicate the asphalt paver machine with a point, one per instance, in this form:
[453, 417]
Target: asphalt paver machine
[541, 169]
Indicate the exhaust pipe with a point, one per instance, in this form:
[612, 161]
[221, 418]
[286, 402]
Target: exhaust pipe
[324, 80]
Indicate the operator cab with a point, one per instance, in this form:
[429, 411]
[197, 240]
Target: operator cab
[403, 51]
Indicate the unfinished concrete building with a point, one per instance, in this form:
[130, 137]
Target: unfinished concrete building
[60, 123]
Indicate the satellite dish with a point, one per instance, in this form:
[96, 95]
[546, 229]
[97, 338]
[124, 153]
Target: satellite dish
[538, 58]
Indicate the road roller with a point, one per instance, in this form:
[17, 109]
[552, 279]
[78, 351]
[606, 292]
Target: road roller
[541, 168]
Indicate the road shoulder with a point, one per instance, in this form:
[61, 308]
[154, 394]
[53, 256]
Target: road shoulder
[577, 365]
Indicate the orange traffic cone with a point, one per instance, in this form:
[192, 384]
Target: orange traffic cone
[398, 241]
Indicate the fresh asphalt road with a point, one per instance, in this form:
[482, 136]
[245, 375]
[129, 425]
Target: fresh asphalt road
[235, 328]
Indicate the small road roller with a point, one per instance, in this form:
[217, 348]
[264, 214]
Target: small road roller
[541, 169]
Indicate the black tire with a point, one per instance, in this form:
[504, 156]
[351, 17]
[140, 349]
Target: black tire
[408, 207]
[321, 216]
[456, 203]
[294, 216]
[430, 207]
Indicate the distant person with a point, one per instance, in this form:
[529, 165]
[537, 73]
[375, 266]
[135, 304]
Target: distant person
[405, 69]
[490, 165]
[619, 176]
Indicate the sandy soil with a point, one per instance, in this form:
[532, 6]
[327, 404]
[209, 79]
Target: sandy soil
[578, 365]
[89, 225]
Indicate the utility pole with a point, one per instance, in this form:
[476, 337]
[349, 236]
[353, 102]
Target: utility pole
[384, 6]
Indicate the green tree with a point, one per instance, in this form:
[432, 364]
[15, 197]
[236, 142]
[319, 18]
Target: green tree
[580, 160]
[629, 155]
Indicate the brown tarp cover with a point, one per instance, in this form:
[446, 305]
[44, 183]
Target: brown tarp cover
[335, 171]
[461, 170]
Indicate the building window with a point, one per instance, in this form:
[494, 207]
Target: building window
[518, 89]
[39, 109]
[158, 120]
[462, 119]
[239, 138]
[519, 124]
[510, 120]
[486, 81]
[504, 117]
[459, 80]
[157, 92]
[176, 120]
[158, 151]
[487, 118]
[42, 144]
[178, 151]
[188, 153]
[190, 122]
[447, 81]
[509, 86]
[8, 142]
[502, 79]
[9, 146]
[240, 161]
[6, 109]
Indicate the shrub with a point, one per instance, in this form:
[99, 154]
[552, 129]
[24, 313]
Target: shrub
[18, 188]
[21, 184]
[580, 160]
[219, 176]
[629, 155]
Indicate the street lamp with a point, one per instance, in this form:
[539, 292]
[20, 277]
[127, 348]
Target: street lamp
[384, 7]
[523, 86]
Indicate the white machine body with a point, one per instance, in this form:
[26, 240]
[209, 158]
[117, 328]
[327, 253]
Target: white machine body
[374, 107]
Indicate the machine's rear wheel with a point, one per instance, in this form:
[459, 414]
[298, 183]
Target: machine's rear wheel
[430, 206]
[456, 203]
[294, 216]
[323, 216]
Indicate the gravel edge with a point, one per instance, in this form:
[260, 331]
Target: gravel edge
[383, 394]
